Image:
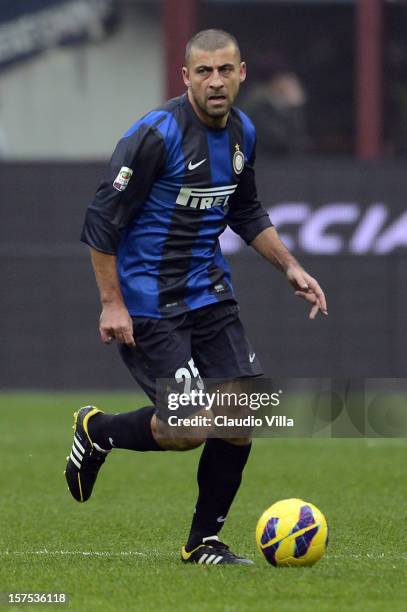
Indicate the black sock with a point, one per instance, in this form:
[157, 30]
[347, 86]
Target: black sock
[130, 430]
[219, 477]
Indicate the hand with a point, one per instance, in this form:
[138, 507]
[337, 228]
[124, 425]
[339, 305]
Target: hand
[307, 288]
[116, 324]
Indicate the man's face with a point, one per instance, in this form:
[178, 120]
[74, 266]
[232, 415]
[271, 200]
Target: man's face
[213, 79]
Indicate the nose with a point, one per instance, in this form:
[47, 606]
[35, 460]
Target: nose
[216, 81]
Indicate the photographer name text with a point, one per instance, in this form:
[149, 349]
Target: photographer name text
[279, 420]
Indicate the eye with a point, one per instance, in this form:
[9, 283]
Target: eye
[202, 70]
[227, 69]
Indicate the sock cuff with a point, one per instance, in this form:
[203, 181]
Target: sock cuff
[145, 436]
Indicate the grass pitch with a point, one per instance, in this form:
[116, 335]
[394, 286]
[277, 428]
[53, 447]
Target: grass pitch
[120, 550]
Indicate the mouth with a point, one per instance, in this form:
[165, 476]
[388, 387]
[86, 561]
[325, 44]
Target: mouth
[217, 98]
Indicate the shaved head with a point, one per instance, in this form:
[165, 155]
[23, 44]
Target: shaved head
[210, 40]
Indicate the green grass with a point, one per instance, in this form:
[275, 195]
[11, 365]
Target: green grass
[132, 528]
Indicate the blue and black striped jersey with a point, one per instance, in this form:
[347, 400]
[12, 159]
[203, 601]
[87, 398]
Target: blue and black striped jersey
[172, 186]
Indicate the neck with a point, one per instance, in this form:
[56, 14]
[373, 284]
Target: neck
[215, 122]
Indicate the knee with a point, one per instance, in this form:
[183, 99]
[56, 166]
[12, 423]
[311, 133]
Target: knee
[169, 439]
[178, 443]
[239, 441]
[186, 443]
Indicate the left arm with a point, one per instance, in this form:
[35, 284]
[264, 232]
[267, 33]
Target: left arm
[250, 221]
[269, 245]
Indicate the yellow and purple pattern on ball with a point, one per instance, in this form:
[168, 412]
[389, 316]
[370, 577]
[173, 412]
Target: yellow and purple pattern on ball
[292, 532]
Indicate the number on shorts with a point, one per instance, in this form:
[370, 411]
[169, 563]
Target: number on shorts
[187, 374]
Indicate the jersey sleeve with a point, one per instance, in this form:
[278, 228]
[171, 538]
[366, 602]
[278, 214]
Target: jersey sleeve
[246, 215]
[136, 162]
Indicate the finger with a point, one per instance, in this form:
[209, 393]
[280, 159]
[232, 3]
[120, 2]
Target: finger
[300, 280]
[106, 336]
[314, 311]
[320, 294]
[124, 335]
[309, 297]
[312, 299]
[321, 298]
[128, 338]
[316, 289]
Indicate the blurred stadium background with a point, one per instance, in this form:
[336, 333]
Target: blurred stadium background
[327, 88]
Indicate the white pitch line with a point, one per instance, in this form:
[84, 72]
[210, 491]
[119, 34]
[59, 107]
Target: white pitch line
[374, 556]
[133, 553]
[84, 553]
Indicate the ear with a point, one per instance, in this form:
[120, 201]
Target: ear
[185, 76]
[242, 71]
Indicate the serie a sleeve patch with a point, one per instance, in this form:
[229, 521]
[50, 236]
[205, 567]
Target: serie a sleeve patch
[122, 179]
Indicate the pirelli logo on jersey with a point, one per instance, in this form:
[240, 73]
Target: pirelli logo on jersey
[194, 197]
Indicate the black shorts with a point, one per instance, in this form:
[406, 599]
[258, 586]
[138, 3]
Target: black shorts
[208, 342]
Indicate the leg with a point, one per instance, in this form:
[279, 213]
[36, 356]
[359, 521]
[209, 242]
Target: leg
[95, 432]
[162, 348]
[219, 476]
[164, 436]
[221, 351]
[129, 430]
[140, 430]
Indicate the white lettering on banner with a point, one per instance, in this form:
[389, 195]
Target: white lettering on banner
[313, 234]
[366, 232]
[344, 227]
[394, 237]
[289, 213]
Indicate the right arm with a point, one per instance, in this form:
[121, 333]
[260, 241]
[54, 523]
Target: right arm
[115, 322]
[117, 202]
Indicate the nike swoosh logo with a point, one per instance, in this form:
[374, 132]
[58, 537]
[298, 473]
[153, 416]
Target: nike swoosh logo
[111, 442]
[192, 166]
[251, 357]
[221, 519]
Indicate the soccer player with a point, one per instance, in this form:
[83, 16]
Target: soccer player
[177, 177]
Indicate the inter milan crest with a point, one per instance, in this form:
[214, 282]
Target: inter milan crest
[238, 160]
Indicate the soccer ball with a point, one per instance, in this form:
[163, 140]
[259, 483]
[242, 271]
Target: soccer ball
[292, 532]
